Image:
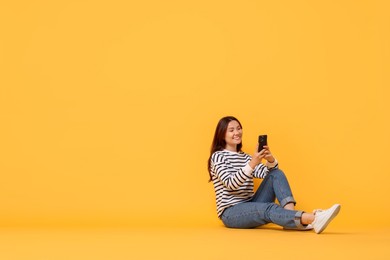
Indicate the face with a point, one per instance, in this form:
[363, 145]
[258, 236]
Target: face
[233, 135]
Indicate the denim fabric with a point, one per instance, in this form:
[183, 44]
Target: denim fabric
[262, 209]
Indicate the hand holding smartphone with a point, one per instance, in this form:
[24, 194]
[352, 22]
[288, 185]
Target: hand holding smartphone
[262, 142]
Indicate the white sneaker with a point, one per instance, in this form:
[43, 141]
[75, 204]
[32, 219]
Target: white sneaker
[323, 217]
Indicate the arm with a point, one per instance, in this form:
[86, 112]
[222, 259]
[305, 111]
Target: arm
[262, 170]
[232, 178]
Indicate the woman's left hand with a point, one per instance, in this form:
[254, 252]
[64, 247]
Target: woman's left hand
[268, 155]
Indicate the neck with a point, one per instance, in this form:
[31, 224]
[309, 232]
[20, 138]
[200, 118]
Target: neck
[231, 148]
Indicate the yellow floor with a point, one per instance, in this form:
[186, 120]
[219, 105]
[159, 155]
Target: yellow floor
[192, 243]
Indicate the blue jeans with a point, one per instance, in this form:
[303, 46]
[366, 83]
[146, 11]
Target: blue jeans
[262, 209]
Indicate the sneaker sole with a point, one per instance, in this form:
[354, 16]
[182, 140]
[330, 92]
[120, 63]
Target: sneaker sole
[336, 211]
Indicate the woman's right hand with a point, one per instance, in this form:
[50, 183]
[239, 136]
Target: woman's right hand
[257, 157]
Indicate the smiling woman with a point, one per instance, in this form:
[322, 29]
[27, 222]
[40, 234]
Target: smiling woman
[106, 104]
[232, 172]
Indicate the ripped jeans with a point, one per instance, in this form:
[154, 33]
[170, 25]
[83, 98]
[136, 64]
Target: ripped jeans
[262, 209]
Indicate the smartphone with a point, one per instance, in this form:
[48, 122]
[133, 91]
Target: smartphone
[262, 142]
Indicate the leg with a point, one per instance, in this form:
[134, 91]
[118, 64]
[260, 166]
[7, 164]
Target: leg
[254, 214]
[307, 218]
[275, 185]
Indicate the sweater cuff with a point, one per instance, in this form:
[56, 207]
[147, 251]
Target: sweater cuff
[248, 170]
[271, 165]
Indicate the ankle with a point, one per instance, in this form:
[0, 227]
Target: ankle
[289, 206]
[307, 218]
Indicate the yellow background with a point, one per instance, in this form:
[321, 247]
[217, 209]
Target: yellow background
[108, 108]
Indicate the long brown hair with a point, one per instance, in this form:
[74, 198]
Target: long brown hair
[219, 142]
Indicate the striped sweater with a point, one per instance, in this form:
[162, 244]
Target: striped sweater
[233, 177]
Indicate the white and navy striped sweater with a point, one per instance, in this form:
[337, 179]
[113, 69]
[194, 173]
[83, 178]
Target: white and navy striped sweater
[233, 177]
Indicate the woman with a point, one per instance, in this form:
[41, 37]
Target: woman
[232, 172]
